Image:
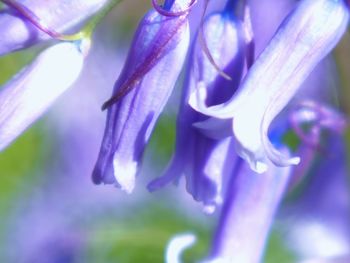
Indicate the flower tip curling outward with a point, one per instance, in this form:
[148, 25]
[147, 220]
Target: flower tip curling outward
[306, 36]
[177, 245]
[32, 91]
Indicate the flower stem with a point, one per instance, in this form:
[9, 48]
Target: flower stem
[86, 32]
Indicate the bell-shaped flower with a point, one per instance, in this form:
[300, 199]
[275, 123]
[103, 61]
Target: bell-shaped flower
[17, 32]
[305, 37]
[203, 160]
[31, 92]
[247, 214]
[153, 65]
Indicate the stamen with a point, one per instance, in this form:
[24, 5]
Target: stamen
[166, 13]
[205, 48]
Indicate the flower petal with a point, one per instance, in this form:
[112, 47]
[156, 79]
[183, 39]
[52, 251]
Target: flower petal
[199, 155]
[146, 82]
[306, 36]
[32, 91]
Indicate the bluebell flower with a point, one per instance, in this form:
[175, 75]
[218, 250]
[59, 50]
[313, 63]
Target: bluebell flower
[25, 97]
[233, 126]
[18, 33]
[203, 160]
[247, 214]
[305, 37]
[153, 65]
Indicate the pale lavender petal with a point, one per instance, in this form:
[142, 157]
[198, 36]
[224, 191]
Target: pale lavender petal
[32, 91]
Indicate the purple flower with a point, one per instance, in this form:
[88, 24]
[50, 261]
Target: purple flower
[247, 213]
[17, 32]
[205, 161]
[318, 219]
[154, 62]
[306, 36]
[32, 91]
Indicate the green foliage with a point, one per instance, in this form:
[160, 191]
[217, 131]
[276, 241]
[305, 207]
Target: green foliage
[277, 251]
[163, 139]
[142, 237]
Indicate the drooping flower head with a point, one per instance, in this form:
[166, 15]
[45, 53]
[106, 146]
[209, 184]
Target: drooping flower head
[206, 161]
[306, 36]
[154, 62]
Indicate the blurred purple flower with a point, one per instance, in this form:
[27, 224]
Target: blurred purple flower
[17, 32]
[32, 91]
[319, 218]
[153, 65]
[203, 160]
[247, 214]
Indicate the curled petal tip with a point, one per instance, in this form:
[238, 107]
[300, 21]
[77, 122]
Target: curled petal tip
[177, 245]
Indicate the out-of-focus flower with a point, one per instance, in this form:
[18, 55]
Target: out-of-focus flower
[320, 214]
[145, 84]
[206, 161]
[306, 36]
[17, 32]
[247, 213]
[31, 92]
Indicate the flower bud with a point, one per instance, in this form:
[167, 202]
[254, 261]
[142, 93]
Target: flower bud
[153, 65]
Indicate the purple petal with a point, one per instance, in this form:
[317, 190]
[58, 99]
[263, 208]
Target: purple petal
[203, 160]
[149, 75]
